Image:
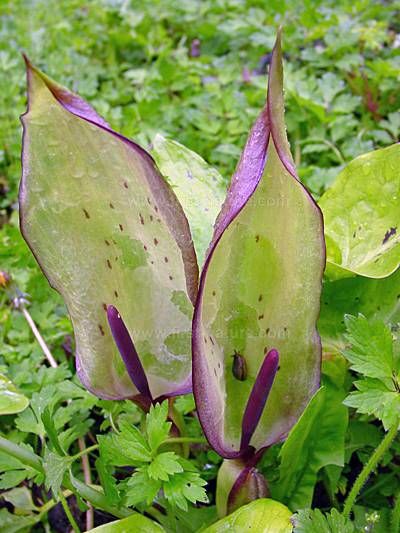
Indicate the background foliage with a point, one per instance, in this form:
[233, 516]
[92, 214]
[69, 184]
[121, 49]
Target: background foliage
[194, 71]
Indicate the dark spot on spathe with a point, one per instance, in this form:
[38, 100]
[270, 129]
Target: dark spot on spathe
[106, 241]
[86, 213]
[116, 294]
[155, 241]
[121, 227]
[257, 238]
[126, 185]
[390, 232]
[101, 330]
[109, 264]
[111, 205]
[141, 219]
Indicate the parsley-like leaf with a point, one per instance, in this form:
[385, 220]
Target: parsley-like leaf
[313, 521]
[164, 465]
[157, 427]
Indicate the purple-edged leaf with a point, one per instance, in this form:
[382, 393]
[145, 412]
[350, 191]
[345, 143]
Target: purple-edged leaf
[260, 289]
[107, 230]
[128, 351]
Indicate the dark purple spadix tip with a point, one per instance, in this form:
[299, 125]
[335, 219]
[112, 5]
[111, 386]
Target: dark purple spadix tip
[128, 352]
[258, 396]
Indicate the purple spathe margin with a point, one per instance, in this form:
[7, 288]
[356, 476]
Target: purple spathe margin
[169, 205]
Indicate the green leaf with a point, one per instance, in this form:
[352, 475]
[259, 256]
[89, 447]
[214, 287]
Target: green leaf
[106, 229]
[371, 352]
[184, 487]
[55, 467]
[313, 521]
[11, 401]
[197, 185]
[127, 448]
[164, 465]
[374, 398]
[265, 265]
[315, 441]
[11, 523]
[141, 489]
[107, 482]
[374, 298]
[48, 422]
[260, 516]
[361, 216]
[157, 427]
[135, 522]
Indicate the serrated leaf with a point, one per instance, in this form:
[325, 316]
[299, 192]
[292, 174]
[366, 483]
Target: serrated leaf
[184, 487]
[371, 351]
[198, 186]
[55, 467]
[315, 441]
[313, 521]
[361, 216]
[265, 263]
[157, 427]
[107, 482]
[127, 448]
[106, 229]
[11, 401]
[141, 489]
[164, 465]
[260, 516]
[374, 398]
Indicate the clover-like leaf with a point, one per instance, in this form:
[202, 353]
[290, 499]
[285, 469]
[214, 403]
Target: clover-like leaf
[107, 229]
[259, 294]
[362, 216]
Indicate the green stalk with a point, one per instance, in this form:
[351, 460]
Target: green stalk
[23, 455]
[67, 511]
[372, 463]
[396, 515]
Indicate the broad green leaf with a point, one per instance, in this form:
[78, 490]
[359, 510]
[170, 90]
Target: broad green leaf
[12, 523]
[198, 186]
[374, 298]
[260, 289]
[107, 230]
[362, 216]
[11, 401]
[135, 522]
[315, 441]
[260, 516]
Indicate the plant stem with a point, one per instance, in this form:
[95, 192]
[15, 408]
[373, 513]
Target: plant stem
[25, 456]
[96, 498]
[39, 338]
[368, 468]
[396, 515]
[67, 511]
[87, 477]
[84, 451]
[180, 440]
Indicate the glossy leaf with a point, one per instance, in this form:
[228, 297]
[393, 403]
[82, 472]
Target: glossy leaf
[362, 216]
[11, 401]
[260, 516]
[198, 186]
[135, 522]
[107, 230]
[374, 298]
[315, 441]
[260, 289]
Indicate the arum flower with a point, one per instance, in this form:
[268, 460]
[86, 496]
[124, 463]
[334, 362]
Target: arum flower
[113, 239]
